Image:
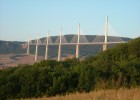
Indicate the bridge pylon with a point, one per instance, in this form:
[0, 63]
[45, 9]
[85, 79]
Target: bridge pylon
[59, 47]
[28, 45]
[47, 42]
[36, 51]
[106, 34]
[77, 45]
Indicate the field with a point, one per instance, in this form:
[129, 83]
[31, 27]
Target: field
[121, 94]
[10, 60]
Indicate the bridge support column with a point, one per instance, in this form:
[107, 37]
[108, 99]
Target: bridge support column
[46, 53]
[106, 33]
[77, 51]
[104, 46]
[59, 48]
[77, 45]
[28, 47]
[59, 53]
[36, 51]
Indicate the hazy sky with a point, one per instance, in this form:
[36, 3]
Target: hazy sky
[19, 18]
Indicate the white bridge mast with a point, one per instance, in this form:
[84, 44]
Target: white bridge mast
[28, 46]
[106, 33]
[59, 47]
[36, 51]
[77, 45]
[46, 53]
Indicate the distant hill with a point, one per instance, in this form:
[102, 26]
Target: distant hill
[12, 47]
[69, 50]
[17, 47]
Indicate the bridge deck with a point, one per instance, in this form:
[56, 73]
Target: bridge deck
[92, 43]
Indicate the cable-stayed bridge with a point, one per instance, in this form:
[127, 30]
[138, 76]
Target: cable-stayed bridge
[75, 40]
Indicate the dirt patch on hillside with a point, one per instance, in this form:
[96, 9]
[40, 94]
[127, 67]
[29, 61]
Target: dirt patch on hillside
[10, 60]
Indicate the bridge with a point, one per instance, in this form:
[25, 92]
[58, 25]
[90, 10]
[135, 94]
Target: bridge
[77, 40]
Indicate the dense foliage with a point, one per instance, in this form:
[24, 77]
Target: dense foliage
[115, 68]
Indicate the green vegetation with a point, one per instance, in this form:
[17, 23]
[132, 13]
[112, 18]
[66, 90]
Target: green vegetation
[115, 68]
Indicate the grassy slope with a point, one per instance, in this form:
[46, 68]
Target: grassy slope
[121, 94]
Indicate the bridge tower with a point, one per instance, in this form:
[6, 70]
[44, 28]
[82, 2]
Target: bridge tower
[28, 46]
[47, 42]
[106, 33]
[77, 45]
[36, 51]
[59, 47]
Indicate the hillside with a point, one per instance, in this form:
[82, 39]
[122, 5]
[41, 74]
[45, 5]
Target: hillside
[69, 50]
[115, 68]
[12, 47]
[120, 94]
[17, 47]
[13, 53]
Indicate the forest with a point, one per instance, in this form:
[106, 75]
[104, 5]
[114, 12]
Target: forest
[118, 67]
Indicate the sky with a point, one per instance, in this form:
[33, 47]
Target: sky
[20, 19]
